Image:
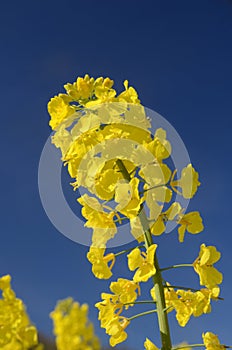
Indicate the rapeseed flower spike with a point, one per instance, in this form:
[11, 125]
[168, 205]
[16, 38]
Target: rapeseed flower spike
[72, 327]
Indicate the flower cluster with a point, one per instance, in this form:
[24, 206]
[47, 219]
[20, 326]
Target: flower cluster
[16, 330]
[123, 166]
[72, 328]
[87, 92]
[110, 308]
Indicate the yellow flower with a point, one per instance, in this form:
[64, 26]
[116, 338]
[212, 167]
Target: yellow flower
[105, 183]
[212, 342]
[129, 95]
[143, 262]
[81, 88]
[149, 345]
[203, 265]
[170, 214]
[204, 297]
[125, 290]
[188, 182]
[160, 147]
[100, 262]
[187, 303]
[110, 316]
[129, 199]
[101, 222]
[192, 222]
[116, 329]
[183, 305]
[16, 330]
[72, 327]
[59, 109]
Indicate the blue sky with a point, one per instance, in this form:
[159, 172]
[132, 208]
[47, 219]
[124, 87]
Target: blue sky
[178, 56]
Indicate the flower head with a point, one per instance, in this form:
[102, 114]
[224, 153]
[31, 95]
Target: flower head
[188, 182]
[59, 109]
[72, 327]
[143, 262]
[203, 265]
[110, 309]
[212, 342]
[192, 222]
[100, 267]
[16, 330]
[126, 291]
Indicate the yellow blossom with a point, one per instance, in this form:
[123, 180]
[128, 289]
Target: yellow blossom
[192, 222]
[160, 147]
[204, 297]
[203, 265]
[129, 199]
[105, 183]
[110, 316]
[129, 95]
[149, 345]
[100, 262]
[126, 291]
[187, 303]
[188, 182]
[211, 341]
[59, 109]
[143, 262]
[101, 222]
[81, 88]
[72, 327]
[16, 331]
[170, 214]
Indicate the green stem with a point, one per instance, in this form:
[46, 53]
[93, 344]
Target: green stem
[184, 288]
[157, 278]
[127, 250]
[142, 314]
[152, 188]
[176, 266]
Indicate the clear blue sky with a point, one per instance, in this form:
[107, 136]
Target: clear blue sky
[178, 55]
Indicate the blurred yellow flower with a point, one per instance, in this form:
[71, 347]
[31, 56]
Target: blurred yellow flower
[16, 330]
[72, 328]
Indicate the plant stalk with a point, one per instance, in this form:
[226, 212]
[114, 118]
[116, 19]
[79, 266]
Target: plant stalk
[157, 278]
